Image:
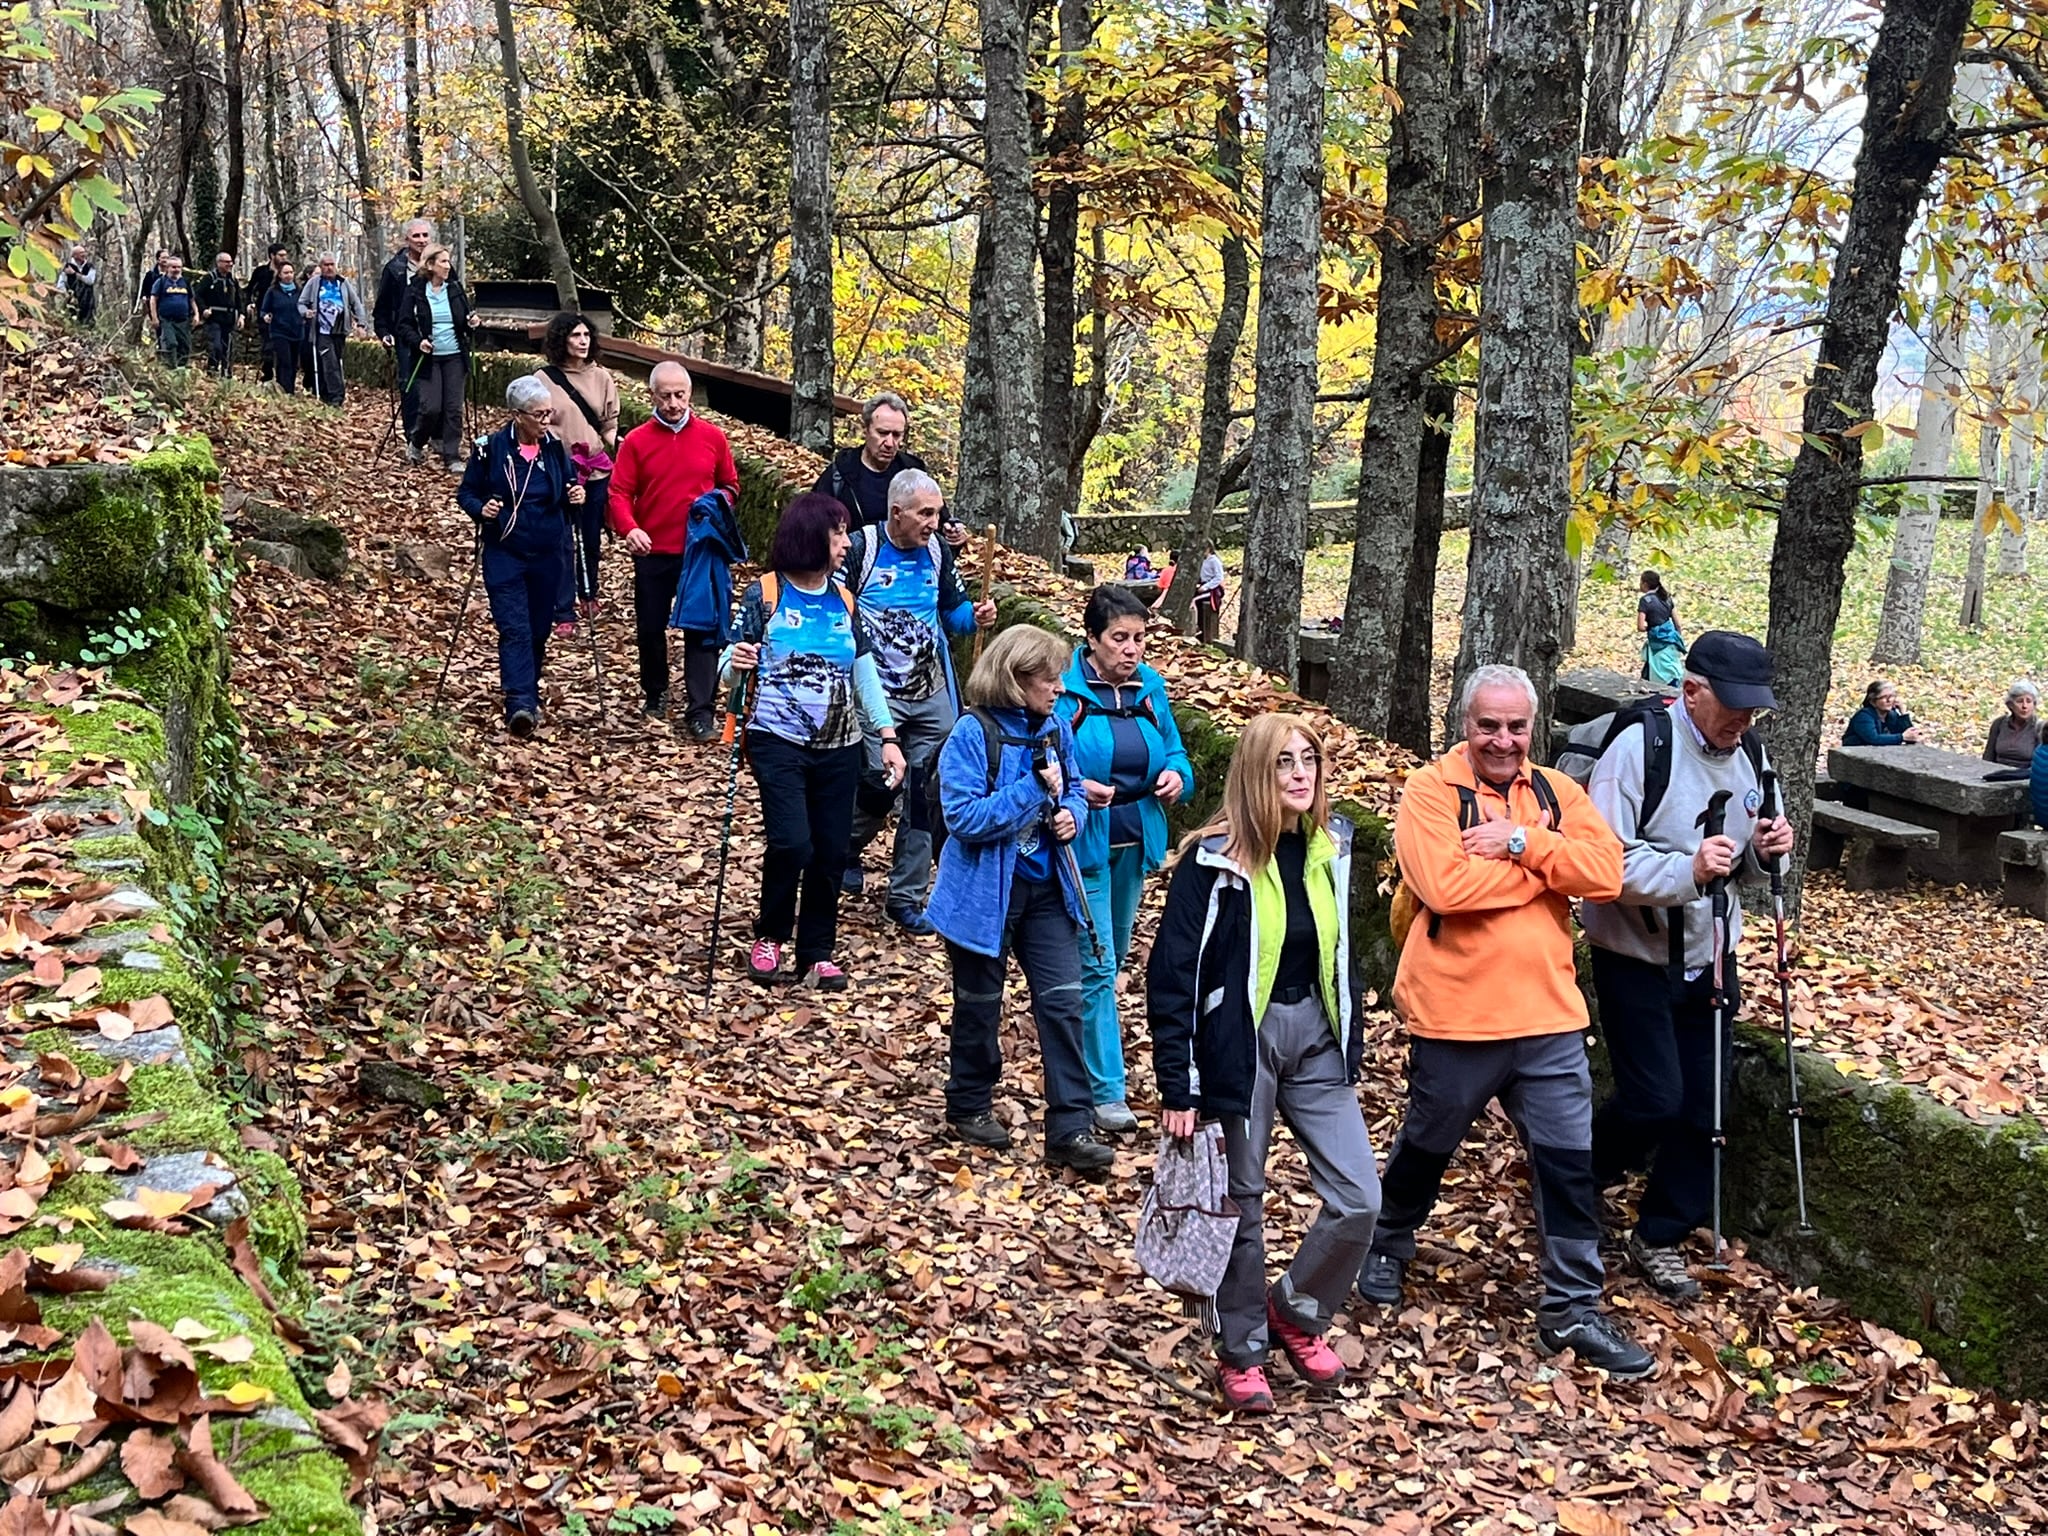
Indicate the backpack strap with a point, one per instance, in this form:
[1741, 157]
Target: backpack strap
[771, 593]
[1468, 818]
[1546, 798]
[1656, 763]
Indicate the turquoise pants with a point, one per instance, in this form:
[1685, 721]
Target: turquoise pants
[1113, 891]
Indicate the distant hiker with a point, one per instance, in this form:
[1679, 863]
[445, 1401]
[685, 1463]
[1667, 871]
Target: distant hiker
[1139, 566]
[392, 283]
[436, 320]
[586, 398]
[254, 292]
[331, 308]
[1249, 995]
[803, 636]
[664, 465]
[171, 311]
[1653, 947]
[1495, 851]
[80, 282]
[519, 487]
[219, 298]
[2016, 733]
[913, 601]
[1008, 884]
[1880, 722]
[858, 478]
[1657, 623]
[157, 269]
[1209, 595]
[284, 327]
[1133, 770]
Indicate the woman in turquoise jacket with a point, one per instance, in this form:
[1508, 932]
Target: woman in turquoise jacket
[1133, 767]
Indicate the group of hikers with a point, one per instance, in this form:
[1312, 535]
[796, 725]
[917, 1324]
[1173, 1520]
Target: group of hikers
[1031, 802]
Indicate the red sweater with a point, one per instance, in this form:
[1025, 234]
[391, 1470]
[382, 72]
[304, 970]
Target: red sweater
[660, 472]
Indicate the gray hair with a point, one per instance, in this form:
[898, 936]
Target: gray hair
[909, 483]
[527, 392]
[886, 397]
[413, 224]
[2022, 688]
[688, 382]
[1495, 676]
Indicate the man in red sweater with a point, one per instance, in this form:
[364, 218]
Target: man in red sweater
[663, 465]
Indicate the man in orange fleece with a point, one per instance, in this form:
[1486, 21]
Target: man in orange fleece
[1494, 850]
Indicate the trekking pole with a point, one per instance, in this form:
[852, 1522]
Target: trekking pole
[988, 571]
[1794, 1110]
[735, 708]
[397, 405]
[1715, 820]
[1065, 853]
[589, 619]
[461, 613]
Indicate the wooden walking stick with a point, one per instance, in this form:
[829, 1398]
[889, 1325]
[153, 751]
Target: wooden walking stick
[988, 575]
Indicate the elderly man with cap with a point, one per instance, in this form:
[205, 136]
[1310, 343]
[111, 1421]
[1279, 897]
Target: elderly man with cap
[1653, 948]
[1494, 851]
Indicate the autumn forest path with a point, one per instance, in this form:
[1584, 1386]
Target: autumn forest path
[657, 1263]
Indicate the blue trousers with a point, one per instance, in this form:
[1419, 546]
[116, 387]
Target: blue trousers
[520, 580]
[1113, 891]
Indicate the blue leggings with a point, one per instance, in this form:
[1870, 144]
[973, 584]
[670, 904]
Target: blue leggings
[1113, 892]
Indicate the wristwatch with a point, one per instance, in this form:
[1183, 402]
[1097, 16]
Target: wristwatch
[1517, 841]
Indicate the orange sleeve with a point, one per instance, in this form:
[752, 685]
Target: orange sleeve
[1431, 849]
[1583, 857]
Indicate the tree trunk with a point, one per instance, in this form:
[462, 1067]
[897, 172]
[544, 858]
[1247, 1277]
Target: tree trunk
[538, 208]
[1517, 575]
[1934, 428]
[977, 484]
[743, 325]
[234, 33]
[1404, 348]
[1410, 720]
[415, 141]
[1219, 364]
[1600, 137]
[280, 165]
[1029, 519]
[1909, 80]
[2019, 465]
[810, 224]
[359, 139]
[1284, 408]
[1991, 488]
[1059, 255]
[172, 32]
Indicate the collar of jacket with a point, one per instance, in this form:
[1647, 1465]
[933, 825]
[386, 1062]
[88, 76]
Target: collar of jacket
[1337, 838]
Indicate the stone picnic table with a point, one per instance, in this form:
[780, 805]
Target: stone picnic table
[1931, 787]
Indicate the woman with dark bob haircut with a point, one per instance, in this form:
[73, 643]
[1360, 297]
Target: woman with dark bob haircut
[801, 635]
[585, 398]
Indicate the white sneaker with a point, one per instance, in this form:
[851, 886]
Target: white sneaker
[1115, 1117]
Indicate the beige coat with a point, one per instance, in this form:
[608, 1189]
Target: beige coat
[597, 386]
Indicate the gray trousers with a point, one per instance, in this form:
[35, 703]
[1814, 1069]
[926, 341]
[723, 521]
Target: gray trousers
[1543, 1084]
[1301, 1080]
[921, 729]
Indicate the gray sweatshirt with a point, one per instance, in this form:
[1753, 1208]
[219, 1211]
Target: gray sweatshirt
[1656, 860]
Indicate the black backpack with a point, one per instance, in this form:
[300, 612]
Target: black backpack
[926, 797]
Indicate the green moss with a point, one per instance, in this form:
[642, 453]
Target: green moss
[194, 1119]
[71, 1044]
[113, 847]
[191, 1001]
[118, 731]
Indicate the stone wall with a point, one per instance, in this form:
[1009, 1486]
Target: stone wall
[119, 778]
[1119, 533]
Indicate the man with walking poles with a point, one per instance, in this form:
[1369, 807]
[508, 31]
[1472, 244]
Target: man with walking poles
[1492, 851]
[1685, 791]
[392, 283]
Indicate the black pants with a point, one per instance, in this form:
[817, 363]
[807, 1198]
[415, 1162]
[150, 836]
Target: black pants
[807, 808]
[1662, 1114]
[654, 598]
[220, 344]
[407, 361]
[326, 350]
[1038, 931]
[443, 386]
[284, 361]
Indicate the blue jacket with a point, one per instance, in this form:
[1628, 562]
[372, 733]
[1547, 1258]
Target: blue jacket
[1094, 744]
[281, 310]
[497, 472]
[970, 900]
[704, 590]
[1867, 730]
[2037, 783]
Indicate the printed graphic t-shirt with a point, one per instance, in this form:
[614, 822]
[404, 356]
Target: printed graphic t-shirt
[900, 604]
[806, 670]
[173, 298]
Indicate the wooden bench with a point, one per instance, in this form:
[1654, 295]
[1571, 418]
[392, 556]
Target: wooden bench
[1876, 847]
[2023, 856]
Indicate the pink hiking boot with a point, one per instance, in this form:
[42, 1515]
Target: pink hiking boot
[1244, 1391]
[1312, 1359]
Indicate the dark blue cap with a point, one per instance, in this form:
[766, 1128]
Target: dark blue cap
[1738, 668]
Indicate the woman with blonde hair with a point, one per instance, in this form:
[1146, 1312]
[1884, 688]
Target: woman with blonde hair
[434, 320]
[1008, 884]
[1249, 984]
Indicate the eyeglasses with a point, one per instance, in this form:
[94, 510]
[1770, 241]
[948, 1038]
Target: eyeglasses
[1288, 763]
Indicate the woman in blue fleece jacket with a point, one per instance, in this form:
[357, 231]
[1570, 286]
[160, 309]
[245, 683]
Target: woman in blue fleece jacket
[1008, 882]
[1880, 722]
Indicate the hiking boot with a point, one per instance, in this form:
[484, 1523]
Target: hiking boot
[1664, 1268]
[655, 708]
[1244, 1391]
[825, 977]
[415, 454]
[854, 880]
[764, 960]
[522, 723]
[1313, 1360]
[1115, 1117]
[451, 466]
[1379, 1279]
[912, 921]
[1080, 1152]
[565, 629]
[702, 728]
[1598, 1340]
[982, 1130]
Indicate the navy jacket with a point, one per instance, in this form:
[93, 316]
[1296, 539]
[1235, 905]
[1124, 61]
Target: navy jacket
[2037, 783]
[496, 471]
[391, 285]
[281, 311]
[1867, 730]
[703, 602]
